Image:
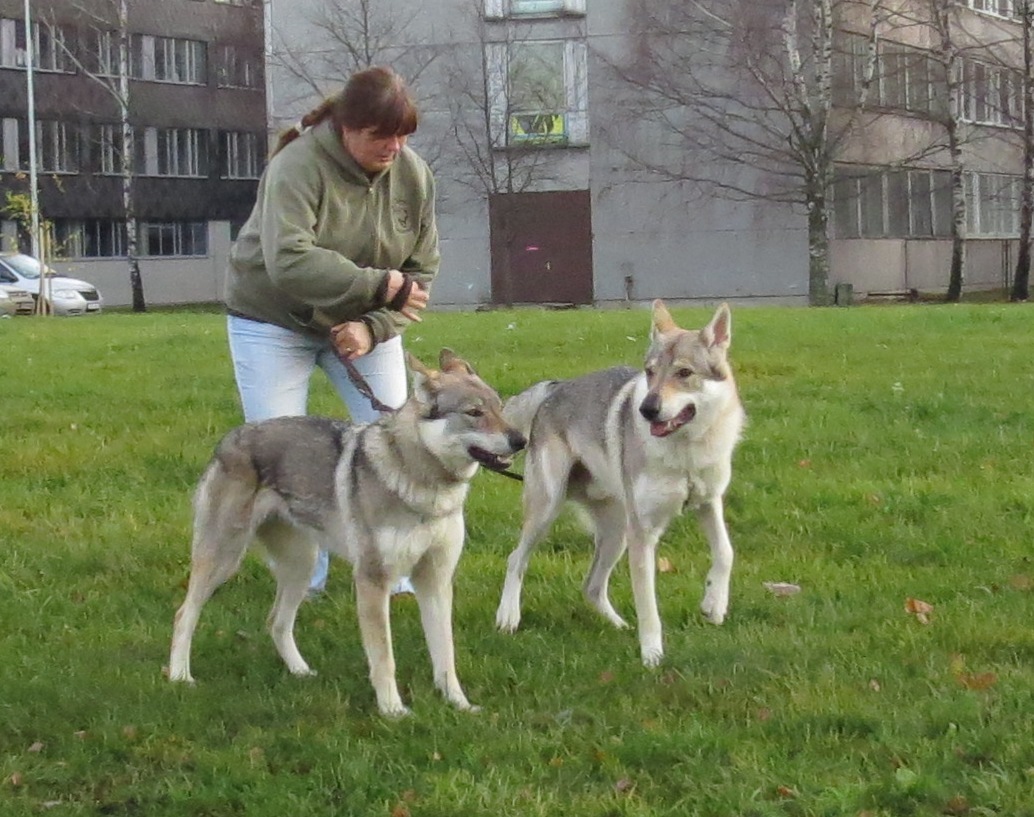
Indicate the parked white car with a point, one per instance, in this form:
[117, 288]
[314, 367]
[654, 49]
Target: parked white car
[68, 296]
[16, 301]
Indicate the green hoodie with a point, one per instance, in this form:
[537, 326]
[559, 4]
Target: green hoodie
[322, 237]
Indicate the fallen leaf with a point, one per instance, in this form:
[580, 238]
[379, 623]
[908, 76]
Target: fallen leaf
[606, 676]
[906, 777]
[920, 609]
[81, 734]
[624, 785]
[556, 762]
[400, 810]
[16, 779]
[874, 685]
[977, 681]
[129, 732]
[804, 464]
[781, 588]
[786, 792]
[664, 565]
[764, 714]
[957, 805]
[37, 747]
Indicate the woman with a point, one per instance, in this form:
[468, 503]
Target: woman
[336, 257]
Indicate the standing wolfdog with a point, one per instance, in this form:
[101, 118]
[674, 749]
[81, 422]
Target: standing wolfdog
[387, 496]
[631, 448]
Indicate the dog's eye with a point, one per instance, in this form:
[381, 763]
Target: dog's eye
[684, 372]
[475, 412]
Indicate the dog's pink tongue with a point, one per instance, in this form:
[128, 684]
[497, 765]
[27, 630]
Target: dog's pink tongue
[660, 429]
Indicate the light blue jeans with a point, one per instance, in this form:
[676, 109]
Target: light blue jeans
[273, 367]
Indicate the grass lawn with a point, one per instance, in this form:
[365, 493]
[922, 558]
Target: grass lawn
[887, 463]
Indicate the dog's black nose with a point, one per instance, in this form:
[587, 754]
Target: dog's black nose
[650, 407]
[516, 440]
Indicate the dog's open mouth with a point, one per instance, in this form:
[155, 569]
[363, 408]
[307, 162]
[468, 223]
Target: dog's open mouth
[488, 459]
[658, 429]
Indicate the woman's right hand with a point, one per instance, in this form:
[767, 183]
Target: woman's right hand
[416, 301]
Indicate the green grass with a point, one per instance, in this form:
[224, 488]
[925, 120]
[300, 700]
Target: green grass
[888, 456]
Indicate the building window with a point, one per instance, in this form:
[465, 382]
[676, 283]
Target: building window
[906, 80]
[104, 52]
[168, 59]
[173, 238]
[500, 9]
[104, 148]
[240, 155]
[238, 68]
[173, 152]
[992, 205]
[538, 93]
[1001, 8]
[50, 50]
[991, 95]
[90, 238]
[890, 203]
[57, 146]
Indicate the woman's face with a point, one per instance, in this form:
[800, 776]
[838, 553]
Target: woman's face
[373, 153]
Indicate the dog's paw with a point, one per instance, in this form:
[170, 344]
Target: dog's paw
[395, 711]
[507, 621]
[304, 671]
[713, 610]
[652, 656]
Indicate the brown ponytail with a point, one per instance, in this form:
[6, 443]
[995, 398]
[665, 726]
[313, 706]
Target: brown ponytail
[375, 98]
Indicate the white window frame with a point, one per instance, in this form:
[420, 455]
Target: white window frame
[991, 95]
[107, 139]
[10, 153]
[170, 59]
[999, 8]
[71, 235]
[241, 155]
[870, 201]
[57, 146]
[183, 236]
[502, 9]
[237, 68]
[992, 204]
[575, 111]
[180, 152]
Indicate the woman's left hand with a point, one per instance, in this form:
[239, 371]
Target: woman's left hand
[351, 339]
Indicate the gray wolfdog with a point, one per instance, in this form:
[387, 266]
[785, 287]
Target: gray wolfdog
[388, 497]
[631, 448]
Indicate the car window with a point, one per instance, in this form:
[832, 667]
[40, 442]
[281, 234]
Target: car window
[24, 265]
[7, 276]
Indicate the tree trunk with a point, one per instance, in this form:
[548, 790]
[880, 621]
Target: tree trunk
[818, 251]
[1021, 279]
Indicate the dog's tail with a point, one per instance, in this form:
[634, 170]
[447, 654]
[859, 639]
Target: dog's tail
[520, 409]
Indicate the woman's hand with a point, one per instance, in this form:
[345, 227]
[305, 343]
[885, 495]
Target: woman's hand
[416, 301]
[351, 339]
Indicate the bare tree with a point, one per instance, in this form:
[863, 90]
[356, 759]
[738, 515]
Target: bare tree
[750, 96]
[108, 26]
[336, 38]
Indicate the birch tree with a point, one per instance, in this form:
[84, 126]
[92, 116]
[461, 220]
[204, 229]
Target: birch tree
[746, 93]
[108, 28]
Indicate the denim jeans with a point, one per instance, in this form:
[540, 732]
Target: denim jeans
[273, 367]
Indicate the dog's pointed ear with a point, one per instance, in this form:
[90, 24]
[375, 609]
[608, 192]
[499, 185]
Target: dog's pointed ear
[719, 331]
[663, 323]
[425, 381]
[449, 361]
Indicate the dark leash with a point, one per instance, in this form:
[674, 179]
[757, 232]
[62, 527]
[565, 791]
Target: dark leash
[364, 389]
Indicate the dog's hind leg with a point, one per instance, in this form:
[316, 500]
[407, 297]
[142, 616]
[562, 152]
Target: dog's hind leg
[716, 588]
[432, 582]
[372, 602]
[292, 555]
[222, 533]
[545, 488]
[608, 522]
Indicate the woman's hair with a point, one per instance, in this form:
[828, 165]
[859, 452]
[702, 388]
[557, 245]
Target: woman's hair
[375, 98]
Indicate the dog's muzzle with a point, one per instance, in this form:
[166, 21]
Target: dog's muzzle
[650, 408]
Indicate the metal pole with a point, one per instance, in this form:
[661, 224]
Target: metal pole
[30, 62]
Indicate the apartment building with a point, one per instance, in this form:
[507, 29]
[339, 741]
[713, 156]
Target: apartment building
[532, 130]
[194, 100]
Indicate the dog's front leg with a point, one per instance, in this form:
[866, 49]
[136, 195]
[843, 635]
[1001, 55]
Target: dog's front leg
[716, 590]
[432, 582]
[375, 628]
[642, 563]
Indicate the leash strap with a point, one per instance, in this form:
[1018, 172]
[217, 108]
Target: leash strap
[364, 389]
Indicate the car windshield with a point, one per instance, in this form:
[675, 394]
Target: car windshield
[26, 266]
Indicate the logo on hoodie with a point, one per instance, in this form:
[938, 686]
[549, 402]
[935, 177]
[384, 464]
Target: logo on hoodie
[402, 217]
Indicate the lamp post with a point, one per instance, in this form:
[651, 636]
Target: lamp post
[30, 62]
